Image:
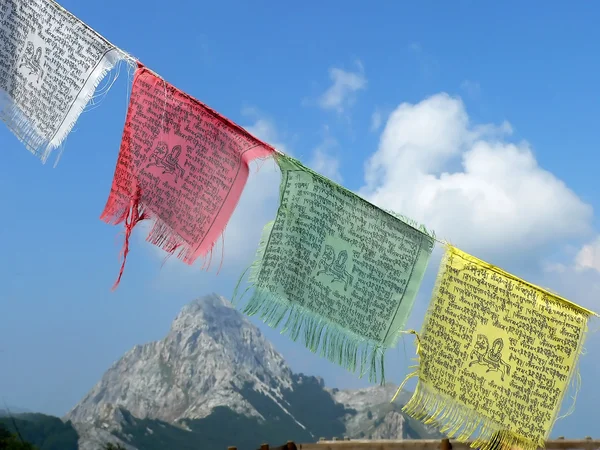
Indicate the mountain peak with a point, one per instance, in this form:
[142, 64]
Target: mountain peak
[209, 311]
[211, 302]
[210, 354]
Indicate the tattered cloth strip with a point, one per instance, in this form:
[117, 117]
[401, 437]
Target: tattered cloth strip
[50, 66]
[496, 356]
[344, 272]
[182, 165]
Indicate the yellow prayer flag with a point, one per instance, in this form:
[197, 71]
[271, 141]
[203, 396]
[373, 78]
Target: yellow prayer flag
[496, 355]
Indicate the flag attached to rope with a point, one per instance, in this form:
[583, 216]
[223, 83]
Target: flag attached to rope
[182, 165]
[496, 356]
[50, 66]
[337, 270]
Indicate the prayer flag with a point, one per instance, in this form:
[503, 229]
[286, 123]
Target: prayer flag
[342, 270]
[496, 355]
[50, 66]
[182, 165]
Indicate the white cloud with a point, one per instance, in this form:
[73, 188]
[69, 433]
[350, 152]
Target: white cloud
[264, 129]
[324, 162]
[589, 256]
[340, 95]
[580, 287]
[376, 120]
[468, 183]
[555, 267]
[415, 47]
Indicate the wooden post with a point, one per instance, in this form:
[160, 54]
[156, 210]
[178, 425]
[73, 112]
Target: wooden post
[231, 448]
[446, 445]
[264, 447]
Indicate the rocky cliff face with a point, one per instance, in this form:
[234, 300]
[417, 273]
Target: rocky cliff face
[375, 417]
[214, 376]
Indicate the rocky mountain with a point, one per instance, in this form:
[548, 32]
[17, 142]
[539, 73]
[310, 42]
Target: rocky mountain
[209, 355]
[215, 381]
[374, 417]
[9, 409]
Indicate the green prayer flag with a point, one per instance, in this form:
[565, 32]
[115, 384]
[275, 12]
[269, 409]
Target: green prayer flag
[343, 273]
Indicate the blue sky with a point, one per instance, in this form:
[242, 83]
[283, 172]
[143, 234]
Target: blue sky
[479, 120]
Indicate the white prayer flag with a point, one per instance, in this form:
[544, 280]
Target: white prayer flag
[50, 66]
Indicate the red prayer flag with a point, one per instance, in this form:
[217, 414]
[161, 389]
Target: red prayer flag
[182, 165]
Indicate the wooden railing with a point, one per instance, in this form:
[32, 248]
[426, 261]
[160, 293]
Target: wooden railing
[420, 444]
[289, 446]
[444, 444]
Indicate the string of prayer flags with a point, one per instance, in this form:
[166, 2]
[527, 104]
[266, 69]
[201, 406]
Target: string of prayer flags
[342, 270]
[50, 65]
[496, 355]
[182, 165]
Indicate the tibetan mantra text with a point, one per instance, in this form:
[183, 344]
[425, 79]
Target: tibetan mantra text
[182, 165]
[50, 66]
[344, 272]
[496, 355]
